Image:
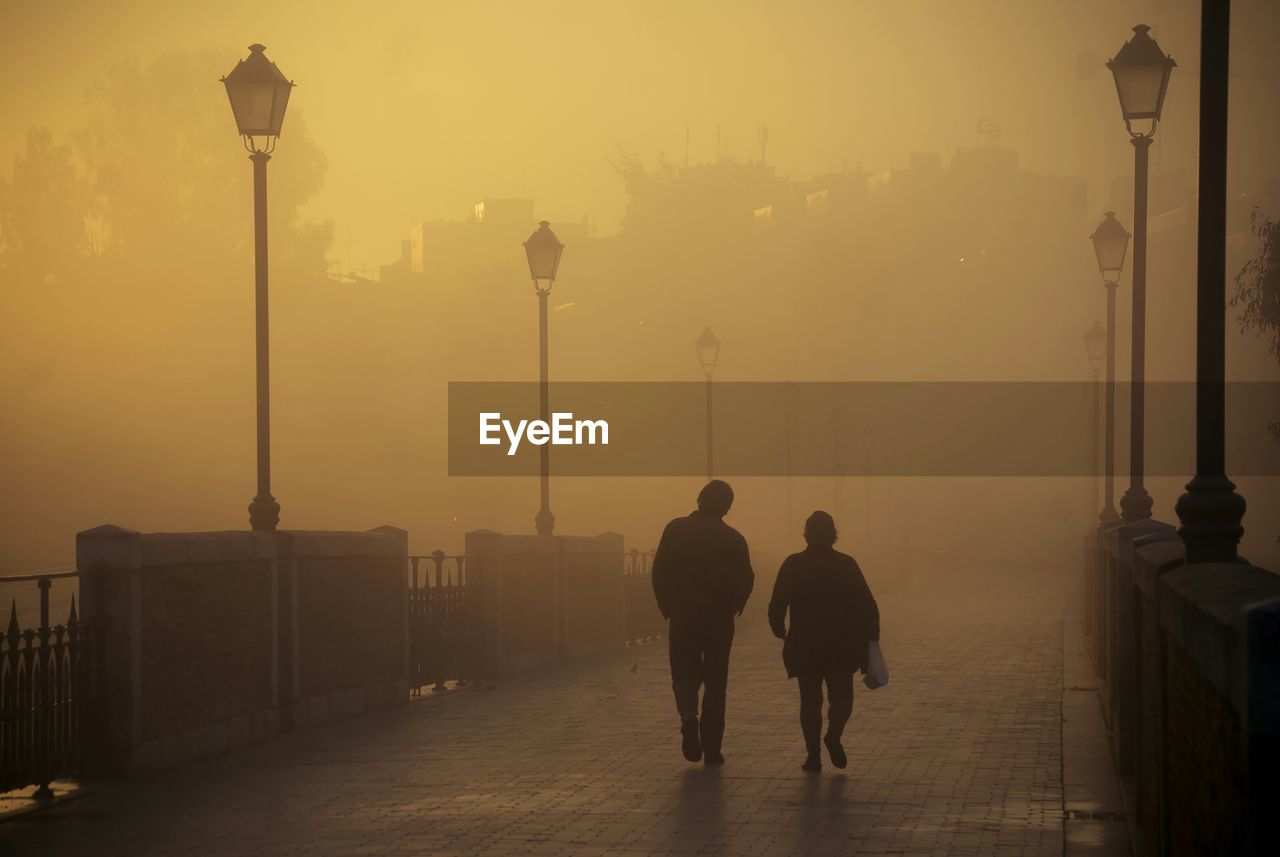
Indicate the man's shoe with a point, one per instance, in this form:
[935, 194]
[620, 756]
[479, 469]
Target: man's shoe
[714, 757]
[690, 743]
[812, 763]
[836, 751]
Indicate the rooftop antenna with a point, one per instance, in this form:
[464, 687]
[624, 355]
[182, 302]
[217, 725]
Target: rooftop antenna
[717, 142]
[764, 142]
[686, 145]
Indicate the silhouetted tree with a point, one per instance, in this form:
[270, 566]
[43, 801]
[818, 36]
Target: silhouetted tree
[1258, 284]
[1258, 289]
[161, 151]
[45, 209]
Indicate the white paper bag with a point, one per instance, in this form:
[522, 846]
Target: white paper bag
[877, 672]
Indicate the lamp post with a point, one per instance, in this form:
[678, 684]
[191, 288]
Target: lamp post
[543, 251]
[1110, 244]
[259, 93]
[708, 348]
[1095, 348]
[1211, 511]
[1141, 71]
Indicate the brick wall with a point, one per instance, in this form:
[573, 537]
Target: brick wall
[206, 644]
[1205, 736]
[1150, 776]
[594, 598]
[1206, 773]
[1155, 555]
[349, 622]
[1222, 691]
[540, 599]
[529, 605]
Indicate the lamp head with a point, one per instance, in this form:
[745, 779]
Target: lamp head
[1141, 71]
[259, 94]
[1110, 245]
[708, 348]
[543, 251]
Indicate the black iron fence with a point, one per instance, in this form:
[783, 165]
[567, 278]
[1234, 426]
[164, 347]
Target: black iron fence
[643, 621]
[42, 692]
[440, 626]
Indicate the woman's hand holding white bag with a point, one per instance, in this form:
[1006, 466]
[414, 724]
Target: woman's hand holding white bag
[877, 672]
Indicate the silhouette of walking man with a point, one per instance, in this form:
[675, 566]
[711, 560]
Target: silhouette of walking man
[834, 618]
[702, 577]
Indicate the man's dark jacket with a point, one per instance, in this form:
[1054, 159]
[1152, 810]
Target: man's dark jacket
[833, 614]
[702, 569]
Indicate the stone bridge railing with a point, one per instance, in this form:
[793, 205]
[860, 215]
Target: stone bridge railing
[205, 642]
[1188, 665]
[544, 599]
[201, 643]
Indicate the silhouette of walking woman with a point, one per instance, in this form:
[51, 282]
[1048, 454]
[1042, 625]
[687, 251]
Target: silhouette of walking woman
[834, 618]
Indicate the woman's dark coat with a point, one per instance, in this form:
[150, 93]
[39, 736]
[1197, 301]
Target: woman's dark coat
[833, 614]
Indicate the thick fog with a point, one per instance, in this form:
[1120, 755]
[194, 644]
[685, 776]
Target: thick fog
[842, 191]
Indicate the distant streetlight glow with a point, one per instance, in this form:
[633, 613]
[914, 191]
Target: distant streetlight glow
[1095, 345]
[1110, 246]
[1141, 72]
[708, 348]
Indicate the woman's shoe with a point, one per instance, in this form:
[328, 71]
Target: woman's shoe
[812, 763]
[836, 751]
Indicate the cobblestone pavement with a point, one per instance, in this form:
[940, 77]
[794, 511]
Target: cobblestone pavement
[960, 754]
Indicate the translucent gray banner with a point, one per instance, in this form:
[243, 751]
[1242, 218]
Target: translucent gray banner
[848, 429]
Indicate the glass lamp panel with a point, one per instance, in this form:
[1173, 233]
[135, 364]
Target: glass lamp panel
[543, 261]
[278, 105]
[1111, 251]
[253, 105]
[1141, 89]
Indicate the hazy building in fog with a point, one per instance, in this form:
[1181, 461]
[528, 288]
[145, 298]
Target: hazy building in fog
[489, 237]
[981, 193]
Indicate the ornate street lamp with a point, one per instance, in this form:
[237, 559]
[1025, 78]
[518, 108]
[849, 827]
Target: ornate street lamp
[543, 251]
[1110, 245]
[708, 350]
[1141, 72]
[259, 94]
[1095, 348]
